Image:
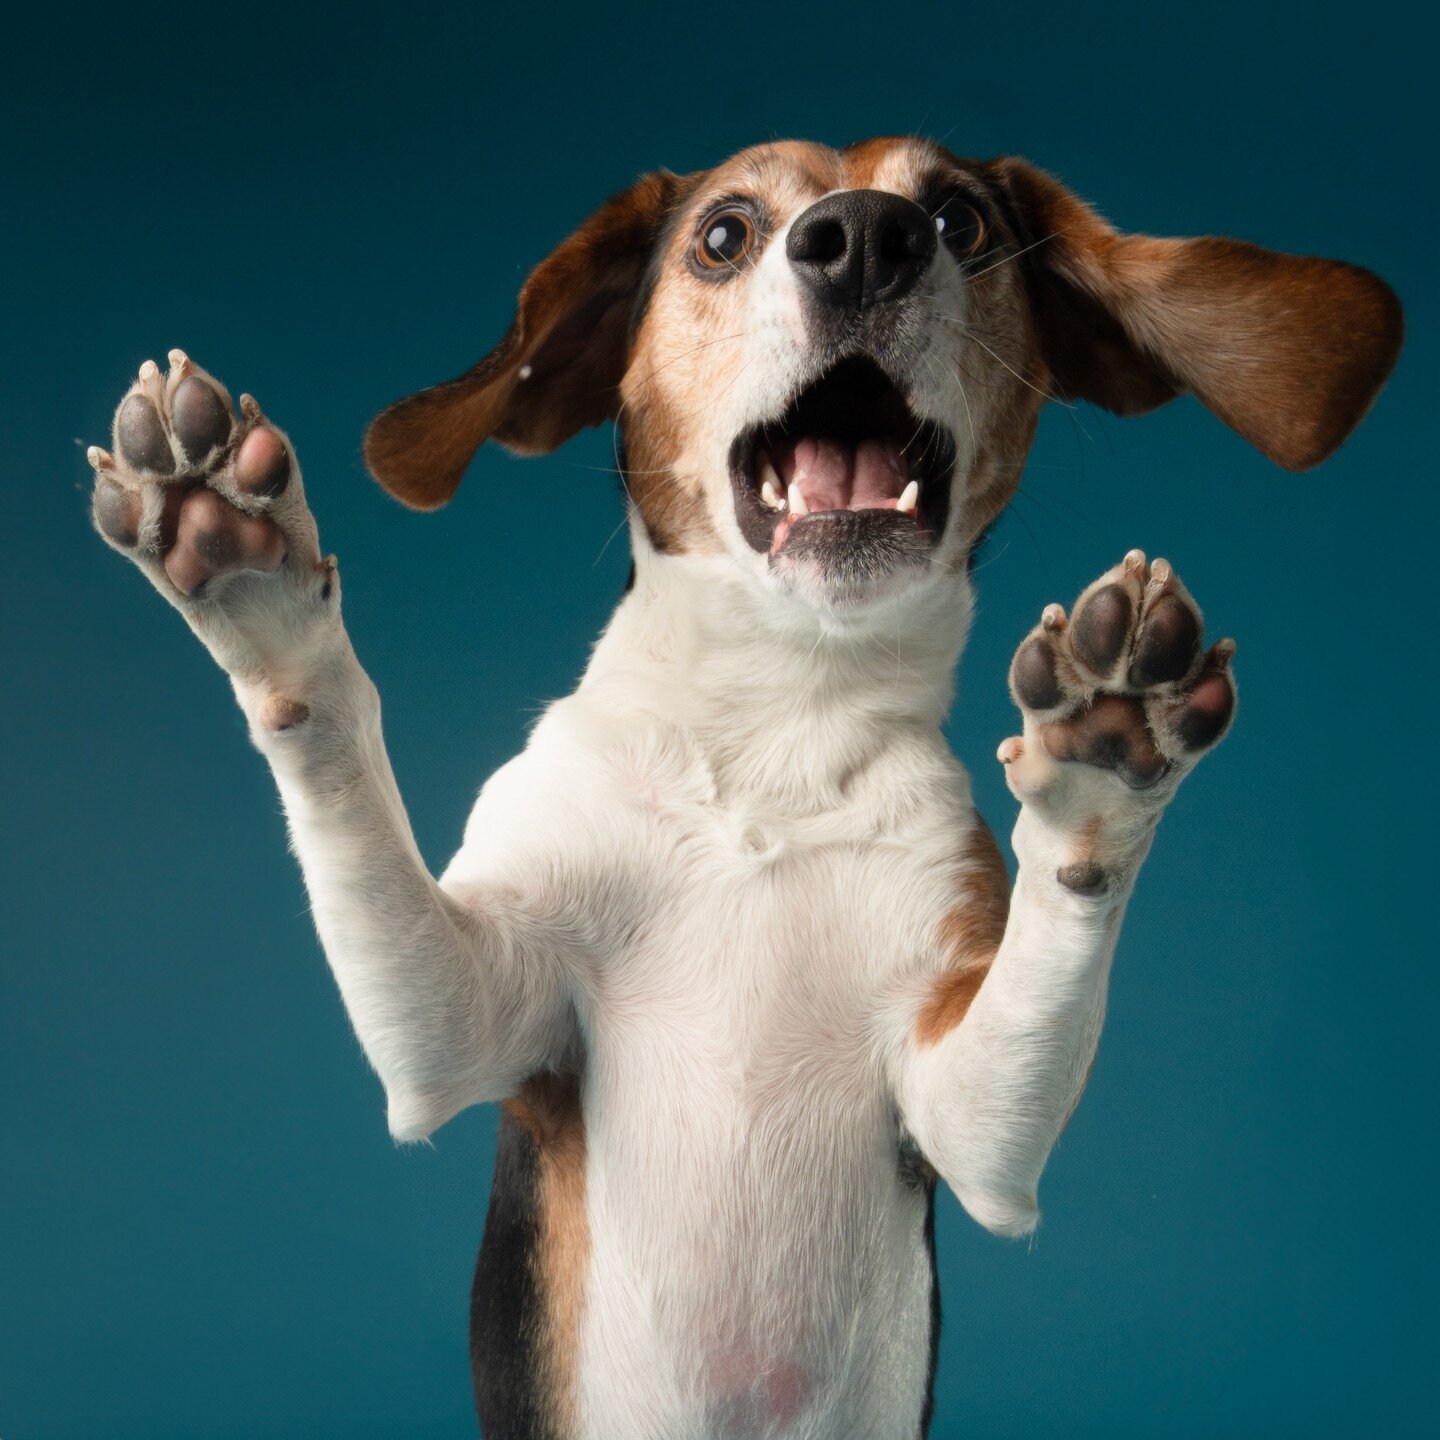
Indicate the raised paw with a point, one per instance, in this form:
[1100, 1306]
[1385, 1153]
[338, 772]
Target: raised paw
[210, 504]
[1123, 688]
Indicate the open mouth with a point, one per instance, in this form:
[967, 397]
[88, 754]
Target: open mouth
[847, 459]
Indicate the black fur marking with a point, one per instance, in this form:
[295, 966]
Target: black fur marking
[927, 1415]
[977, 545]
[505, 1314]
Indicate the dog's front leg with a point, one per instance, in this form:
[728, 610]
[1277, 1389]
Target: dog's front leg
[1119, 704]
[453, 1003]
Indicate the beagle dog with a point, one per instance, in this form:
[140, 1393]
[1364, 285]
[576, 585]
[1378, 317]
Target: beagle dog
[728, 941]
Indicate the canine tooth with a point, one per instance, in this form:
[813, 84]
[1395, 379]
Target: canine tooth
[770, 495]
[798, 506]
[909, 498]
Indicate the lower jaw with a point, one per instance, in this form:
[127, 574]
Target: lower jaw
[851, 557]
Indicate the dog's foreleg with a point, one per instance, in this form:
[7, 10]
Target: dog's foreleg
[453, 1003]
[987, 1101]
[1118, 706]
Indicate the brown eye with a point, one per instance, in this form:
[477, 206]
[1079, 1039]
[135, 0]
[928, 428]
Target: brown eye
[726, 237]
[960, 227]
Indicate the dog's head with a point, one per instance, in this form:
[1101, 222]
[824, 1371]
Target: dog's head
[828, 366]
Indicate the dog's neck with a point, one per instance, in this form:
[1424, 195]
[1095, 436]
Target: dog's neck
[778, 701]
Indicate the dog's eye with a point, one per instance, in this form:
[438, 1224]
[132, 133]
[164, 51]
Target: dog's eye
[725, 239]
[960, 226]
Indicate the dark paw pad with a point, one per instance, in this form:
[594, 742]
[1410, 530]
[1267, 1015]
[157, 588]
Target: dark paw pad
[1033, 675]
[1100, 632]
[1206, 712]
[117, 513]
[263, 465]
[140, 437]
[1110, 734]
[1169, 639]
[200, 418]
[214, 538]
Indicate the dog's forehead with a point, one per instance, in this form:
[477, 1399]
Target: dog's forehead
[792, 173]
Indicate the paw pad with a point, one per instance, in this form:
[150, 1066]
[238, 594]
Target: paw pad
[1123, 686]
[140, 437]
[200, 419]
[190, 488]
[213, 538]
[262, 465]
[1167, 644]
[1100, 633]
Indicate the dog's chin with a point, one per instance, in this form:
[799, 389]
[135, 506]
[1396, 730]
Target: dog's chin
[851, 559]
[846, 490]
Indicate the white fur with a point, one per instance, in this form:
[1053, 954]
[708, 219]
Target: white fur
[714, 875]
[715, 870]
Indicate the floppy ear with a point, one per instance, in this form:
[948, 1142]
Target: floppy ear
[557, 370]
[1289, 351]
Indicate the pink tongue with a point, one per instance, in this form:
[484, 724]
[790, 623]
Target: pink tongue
[833, 476]
[880, 474]
[824, 473]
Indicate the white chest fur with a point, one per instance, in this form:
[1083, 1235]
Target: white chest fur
[740, 951]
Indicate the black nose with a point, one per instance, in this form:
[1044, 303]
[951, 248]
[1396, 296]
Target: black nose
[857, 248]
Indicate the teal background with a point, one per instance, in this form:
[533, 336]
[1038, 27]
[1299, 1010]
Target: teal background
[204, 1229]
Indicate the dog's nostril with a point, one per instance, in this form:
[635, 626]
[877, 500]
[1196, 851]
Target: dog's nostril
[900, 242]
[820, 242]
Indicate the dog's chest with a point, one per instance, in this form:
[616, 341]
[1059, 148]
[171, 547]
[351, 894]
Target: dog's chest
[744, 1171]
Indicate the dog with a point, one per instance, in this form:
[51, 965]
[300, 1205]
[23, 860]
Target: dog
[728, 940]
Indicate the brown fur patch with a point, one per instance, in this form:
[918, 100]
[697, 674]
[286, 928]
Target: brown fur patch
[548, 1107]
[557, 370]
[674, 513]
[969, 935]
[1288, 350]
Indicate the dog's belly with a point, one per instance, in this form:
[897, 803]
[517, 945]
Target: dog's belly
[759, 1266]
[763, 1286]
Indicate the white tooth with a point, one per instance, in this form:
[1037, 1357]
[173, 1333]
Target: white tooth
[770, 495]
[909, 498]
[798, 507]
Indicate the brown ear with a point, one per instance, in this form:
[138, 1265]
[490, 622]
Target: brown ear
[557, 370]
[1289, 351]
